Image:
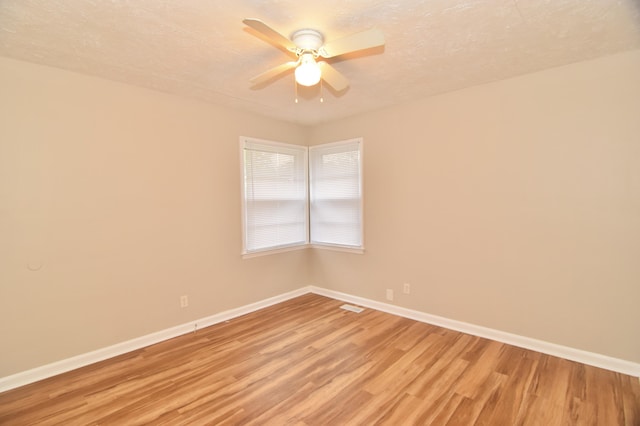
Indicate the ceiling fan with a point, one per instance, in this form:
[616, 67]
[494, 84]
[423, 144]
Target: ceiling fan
[308, 45]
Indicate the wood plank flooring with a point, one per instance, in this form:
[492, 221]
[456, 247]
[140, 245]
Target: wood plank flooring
[307, 362]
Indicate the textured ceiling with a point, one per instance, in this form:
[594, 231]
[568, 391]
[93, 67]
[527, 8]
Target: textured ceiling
[201, 49]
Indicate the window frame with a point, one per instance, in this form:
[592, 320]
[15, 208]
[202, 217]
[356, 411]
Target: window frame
[280, 248]
[333, 246]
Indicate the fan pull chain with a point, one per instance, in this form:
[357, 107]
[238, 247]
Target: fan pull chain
[295, 89]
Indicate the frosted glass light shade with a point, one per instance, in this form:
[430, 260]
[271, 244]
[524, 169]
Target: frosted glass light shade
[308, 72]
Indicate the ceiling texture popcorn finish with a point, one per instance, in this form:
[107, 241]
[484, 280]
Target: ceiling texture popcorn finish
[201, 48]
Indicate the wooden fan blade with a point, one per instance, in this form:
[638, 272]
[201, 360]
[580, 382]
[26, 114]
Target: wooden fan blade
[270, 33]
[333, 77]
[273, 72]
[352, 43]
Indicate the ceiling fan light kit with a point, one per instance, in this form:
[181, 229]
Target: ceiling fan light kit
[308, 72]
[307, 45]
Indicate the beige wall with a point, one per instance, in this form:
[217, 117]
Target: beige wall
[129, 199]
[513, 205]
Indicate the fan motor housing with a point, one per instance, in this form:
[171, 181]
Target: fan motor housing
[308, 39]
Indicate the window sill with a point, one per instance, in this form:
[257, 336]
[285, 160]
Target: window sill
[345, 249]
[267, 252]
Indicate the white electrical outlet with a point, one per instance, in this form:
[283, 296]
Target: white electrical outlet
[406, 288]
[389, 294]
[184, 301]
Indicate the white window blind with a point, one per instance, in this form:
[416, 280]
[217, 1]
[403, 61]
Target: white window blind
[336, 193]
[274, 195]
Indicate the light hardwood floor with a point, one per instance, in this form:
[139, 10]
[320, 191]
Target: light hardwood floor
[307, 362]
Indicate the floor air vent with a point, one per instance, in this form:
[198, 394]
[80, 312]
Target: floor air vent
[352, 308]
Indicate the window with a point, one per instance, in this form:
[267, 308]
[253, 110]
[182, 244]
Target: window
[275, 195]
[336, 194]
[282, 210]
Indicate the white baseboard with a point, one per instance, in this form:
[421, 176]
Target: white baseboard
[59, 367]
[578, 355]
